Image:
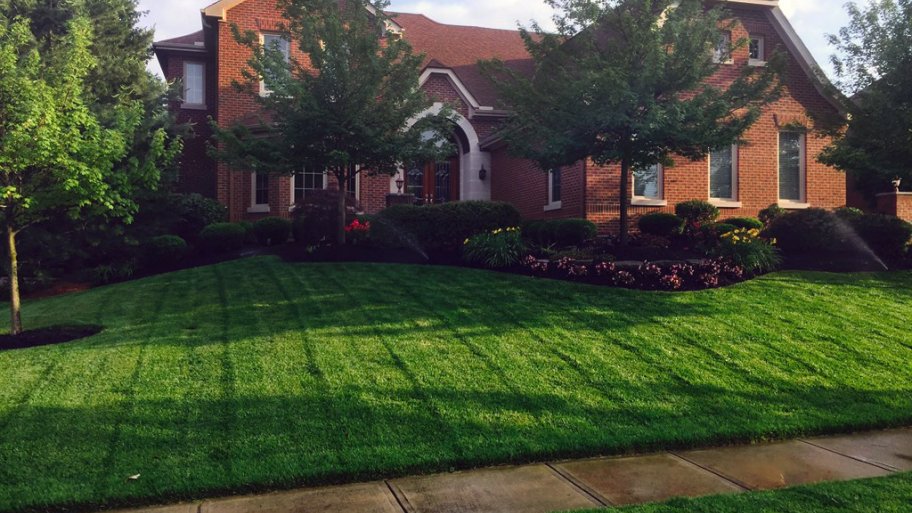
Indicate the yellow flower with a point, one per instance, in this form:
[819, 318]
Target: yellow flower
[466, 243]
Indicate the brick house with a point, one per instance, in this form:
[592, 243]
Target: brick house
[777, 165]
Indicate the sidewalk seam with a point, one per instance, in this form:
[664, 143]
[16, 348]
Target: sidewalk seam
[879, 465]
[733, 481]
[400, 497]
[582, 487]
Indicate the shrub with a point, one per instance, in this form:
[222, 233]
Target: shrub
[315, 220]
[495, 250]
[849, 213]
[442, 227]
[714, 231]
[812, 230]
[164, 250]
[770, 213]
[358, 232]
[562, 233]
[888, 236]
[696, 213]
[113, 272]
[193, 213]
[222, 238]
[661, 224]
[747, 223]
[748, 250]
[272, 231]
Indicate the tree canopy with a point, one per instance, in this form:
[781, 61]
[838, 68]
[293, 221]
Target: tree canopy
[625, 82]
[56, 155]
[346, 95]
[873, 63]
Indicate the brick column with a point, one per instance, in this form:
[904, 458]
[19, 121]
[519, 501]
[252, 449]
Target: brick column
[897, 204]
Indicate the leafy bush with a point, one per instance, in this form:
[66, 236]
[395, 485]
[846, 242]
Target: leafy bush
[713, 232]
[661, 224]
[496, 249]
[164, 250]
[222, 238]
[562, 233]
[747, 249]
[315, 220]
[696, 213]
[442, 227]
[112, 273]
[813, 230]
[888, 236]
[747, 223]
[770, 213]
[271, 231]
[849, 213]
[358, 232]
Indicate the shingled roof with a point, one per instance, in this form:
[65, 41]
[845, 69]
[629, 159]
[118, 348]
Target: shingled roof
[459, 48]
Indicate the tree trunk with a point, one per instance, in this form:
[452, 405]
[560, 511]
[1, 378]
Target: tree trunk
[15, 303]
[342, 178]
[623, 236]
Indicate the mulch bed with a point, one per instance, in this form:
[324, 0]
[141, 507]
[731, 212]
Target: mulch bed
[48, 336]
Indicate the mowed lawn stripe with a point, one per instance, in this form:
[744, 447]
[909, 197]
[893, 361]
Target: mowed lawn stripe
[257, 374]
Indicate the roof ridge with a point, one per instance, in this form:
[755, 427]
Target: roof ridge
[477, 27]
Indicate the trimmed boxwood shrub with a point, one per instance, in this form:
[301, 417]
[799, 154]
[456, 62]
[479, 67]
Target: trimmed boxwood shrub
[272, 231]
[715, 231]
[770, 213]
[748, 223]
[661, 224]
[562, 233]
[164, 250]
[697, 212]
[888, 236]
[222, 237]
[813, 230]
[442, 227]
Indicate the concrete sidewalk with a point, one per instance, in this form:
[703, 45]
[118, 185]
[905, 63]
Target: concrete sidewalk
[592, 483]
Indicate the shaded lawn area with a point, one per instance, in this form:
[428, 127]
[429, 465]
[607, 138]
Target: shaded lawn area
[259, 374]
[891, 494]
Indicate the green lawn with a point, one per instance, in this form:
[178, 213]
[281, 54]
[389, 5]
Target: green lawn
[884, 495]
[257, 374]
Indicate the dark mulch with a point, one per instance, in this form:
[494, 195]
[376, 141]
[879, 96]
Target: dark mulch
[48, 336]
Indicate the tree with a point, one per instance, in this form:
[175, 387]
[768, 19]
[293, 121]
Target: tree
[346, 98]
[625, 82]
[55, 154]
[874, 56]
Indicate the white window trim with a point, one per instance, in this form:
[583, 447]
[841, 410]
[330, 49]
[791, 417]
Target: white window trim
[802, 178]
[256, 208]
[357, 183]
[643, 201]
[717, 55]
[194, 106]
[263, 90]
[732, 202]
[762, 60]
[292, 187]
[554, 205]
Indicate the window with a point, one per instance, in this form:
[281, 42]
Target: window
[194, 84]
[723, 174]
[261, 191]
[306, 181]
[791, 167]
[275, 42]
[353, 184]
[647, 183]
[757, 49]
[555, 190]
[723, 52]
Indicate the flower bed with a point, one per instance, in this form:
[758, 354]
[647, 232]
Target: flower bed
[683, 276]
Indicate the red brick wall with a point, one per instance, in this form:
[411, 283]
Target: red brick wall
[896, 204]
[523, 184]
[758, 167]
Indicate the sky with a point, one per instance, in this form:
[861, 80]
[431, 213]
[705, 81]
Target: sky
[811, 18]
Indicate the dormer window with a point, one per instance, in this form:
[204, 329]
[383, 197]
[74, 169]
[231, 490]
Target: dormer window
[757, 50]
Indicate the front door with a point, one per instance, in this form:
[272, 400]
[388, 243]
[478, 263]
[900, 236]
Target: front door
[434, 182]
